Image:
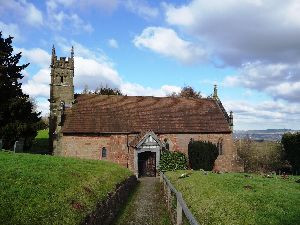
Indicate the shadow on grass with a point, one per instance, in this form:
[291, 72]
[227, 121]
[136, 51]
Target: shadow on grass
[39, 146]
[127, 209]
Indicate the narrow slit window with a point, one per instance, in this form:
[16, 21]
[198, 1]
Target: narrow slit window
[104, 152]
[61, 79]
[220, 147]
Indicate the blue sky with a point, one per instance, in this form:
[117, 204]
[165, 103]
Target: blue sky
[250, 49]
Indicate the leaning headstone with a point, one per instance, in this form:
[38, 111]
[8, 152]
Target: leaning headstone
[0, 144]
[18, 147]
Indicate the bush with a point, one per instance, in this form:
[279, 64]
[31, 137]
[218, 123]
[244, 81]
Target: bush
[260, 156]
[291, 145]
[170, 161]
[202, 155]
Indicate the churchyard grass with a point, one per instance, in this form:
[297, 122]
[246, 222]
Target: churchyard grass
[42, 189]
[233, 198]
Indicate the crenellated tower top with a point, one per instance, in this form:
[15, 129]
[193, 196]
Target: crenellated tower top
[62, 62]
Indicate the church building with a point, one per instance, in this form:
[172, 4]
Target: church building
[133, 130]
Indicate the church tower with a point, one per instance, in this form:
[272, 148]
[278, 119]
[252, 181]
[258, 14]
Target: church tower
[61, 95]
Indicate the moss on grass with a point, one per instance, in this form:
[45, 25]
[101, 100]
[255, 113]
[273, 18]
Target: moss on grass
[239, 199]
[38, 189]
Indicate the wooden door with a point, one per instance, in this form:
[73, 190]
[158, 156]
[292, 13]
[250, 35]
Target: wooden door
[147, 164]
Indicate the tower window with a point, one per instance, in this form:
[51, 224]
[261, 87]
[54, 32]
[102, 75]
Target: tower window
[61, 79]
[104, 152]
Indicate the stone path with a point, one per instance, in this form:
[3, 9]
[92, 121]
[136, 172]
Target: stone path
[146, 207]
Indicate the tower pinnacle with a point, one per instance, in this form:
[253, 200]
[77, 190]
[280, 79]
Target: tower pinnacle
[72, 52]
[215, 94]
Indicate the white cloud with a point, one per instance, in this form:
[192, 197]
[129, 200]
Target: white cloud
[38, 85]
[166, 42]
[141, 8]
[113, 43]
[35, 56]
[10, 29]
[267, 114]
[94, 73]
[34, 16]
[104, 5]
[279, 80]
[133, 89]
[259, 38]
[61, 19]
[22, 9]
[241, 31]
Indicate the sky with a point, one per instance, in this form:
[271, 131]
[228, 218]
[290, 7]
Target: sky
[249, 48]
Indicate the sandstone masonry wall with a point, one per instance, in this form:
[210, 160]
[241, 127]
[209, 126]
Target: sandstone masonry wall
[118, 151]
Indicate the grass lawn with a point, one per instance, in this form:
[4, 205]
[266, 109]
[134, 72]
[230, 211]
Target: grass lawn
[41, 189]
[236, 199]
[40, 144]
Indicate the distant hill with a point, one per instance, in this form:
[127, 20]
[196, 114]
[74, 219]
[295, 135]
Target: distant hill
[262, 135]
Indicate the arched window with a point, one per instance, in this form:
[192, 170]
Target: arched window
[220, 146]
[167, 146]
[104, 152]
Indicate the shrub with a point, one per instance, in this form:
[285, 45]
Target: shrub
[202, 155]
[291, 144]
[170, 161]
[260, 156]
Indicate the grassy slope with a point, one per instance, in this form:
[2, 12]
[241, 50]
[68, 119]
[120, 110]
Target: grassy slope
[223, 199]
[37, 189]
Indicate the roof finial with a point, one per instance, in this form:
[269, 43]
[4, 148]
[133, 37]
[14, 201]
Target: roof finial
[215, 95]
[72, 52]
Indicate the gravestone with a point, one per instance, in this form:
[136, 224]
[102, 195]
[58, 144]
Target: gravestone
[18, 147]
[0, 144]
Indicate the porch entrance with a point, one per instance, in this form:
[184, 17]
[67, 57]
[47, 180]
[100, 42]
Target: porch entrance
[147, 164]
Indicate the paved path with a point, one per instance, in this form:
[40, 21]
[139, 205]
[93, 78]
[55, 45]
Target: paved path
[146, 206]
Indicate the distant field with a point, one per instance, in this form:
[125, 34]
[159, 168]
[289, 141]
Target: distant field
[41, 189]
[236, 199]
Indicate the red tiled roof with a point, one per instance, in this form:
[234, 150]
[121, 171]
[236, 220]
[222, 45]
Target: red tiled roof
[133, 114]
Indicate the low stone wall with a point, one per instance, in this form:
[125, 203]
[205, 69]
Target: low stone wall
[108, 209]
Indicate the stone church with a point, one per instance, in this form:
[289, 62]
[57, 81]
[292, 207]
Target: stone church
[132, 130]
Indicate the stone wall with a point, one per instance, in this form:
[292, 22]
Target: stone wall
[118, 151]
[90, 147]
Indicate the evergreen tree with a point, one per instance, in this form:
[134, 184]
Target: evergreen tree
[17, 116]
[291, 145]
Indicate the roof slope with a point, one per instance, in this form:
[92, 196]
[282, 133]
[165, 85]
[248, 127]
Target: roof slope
[133, 114]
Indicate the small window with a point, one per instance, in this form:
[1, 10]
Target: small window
[104, 152]
[220, 147]
[61, 79]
